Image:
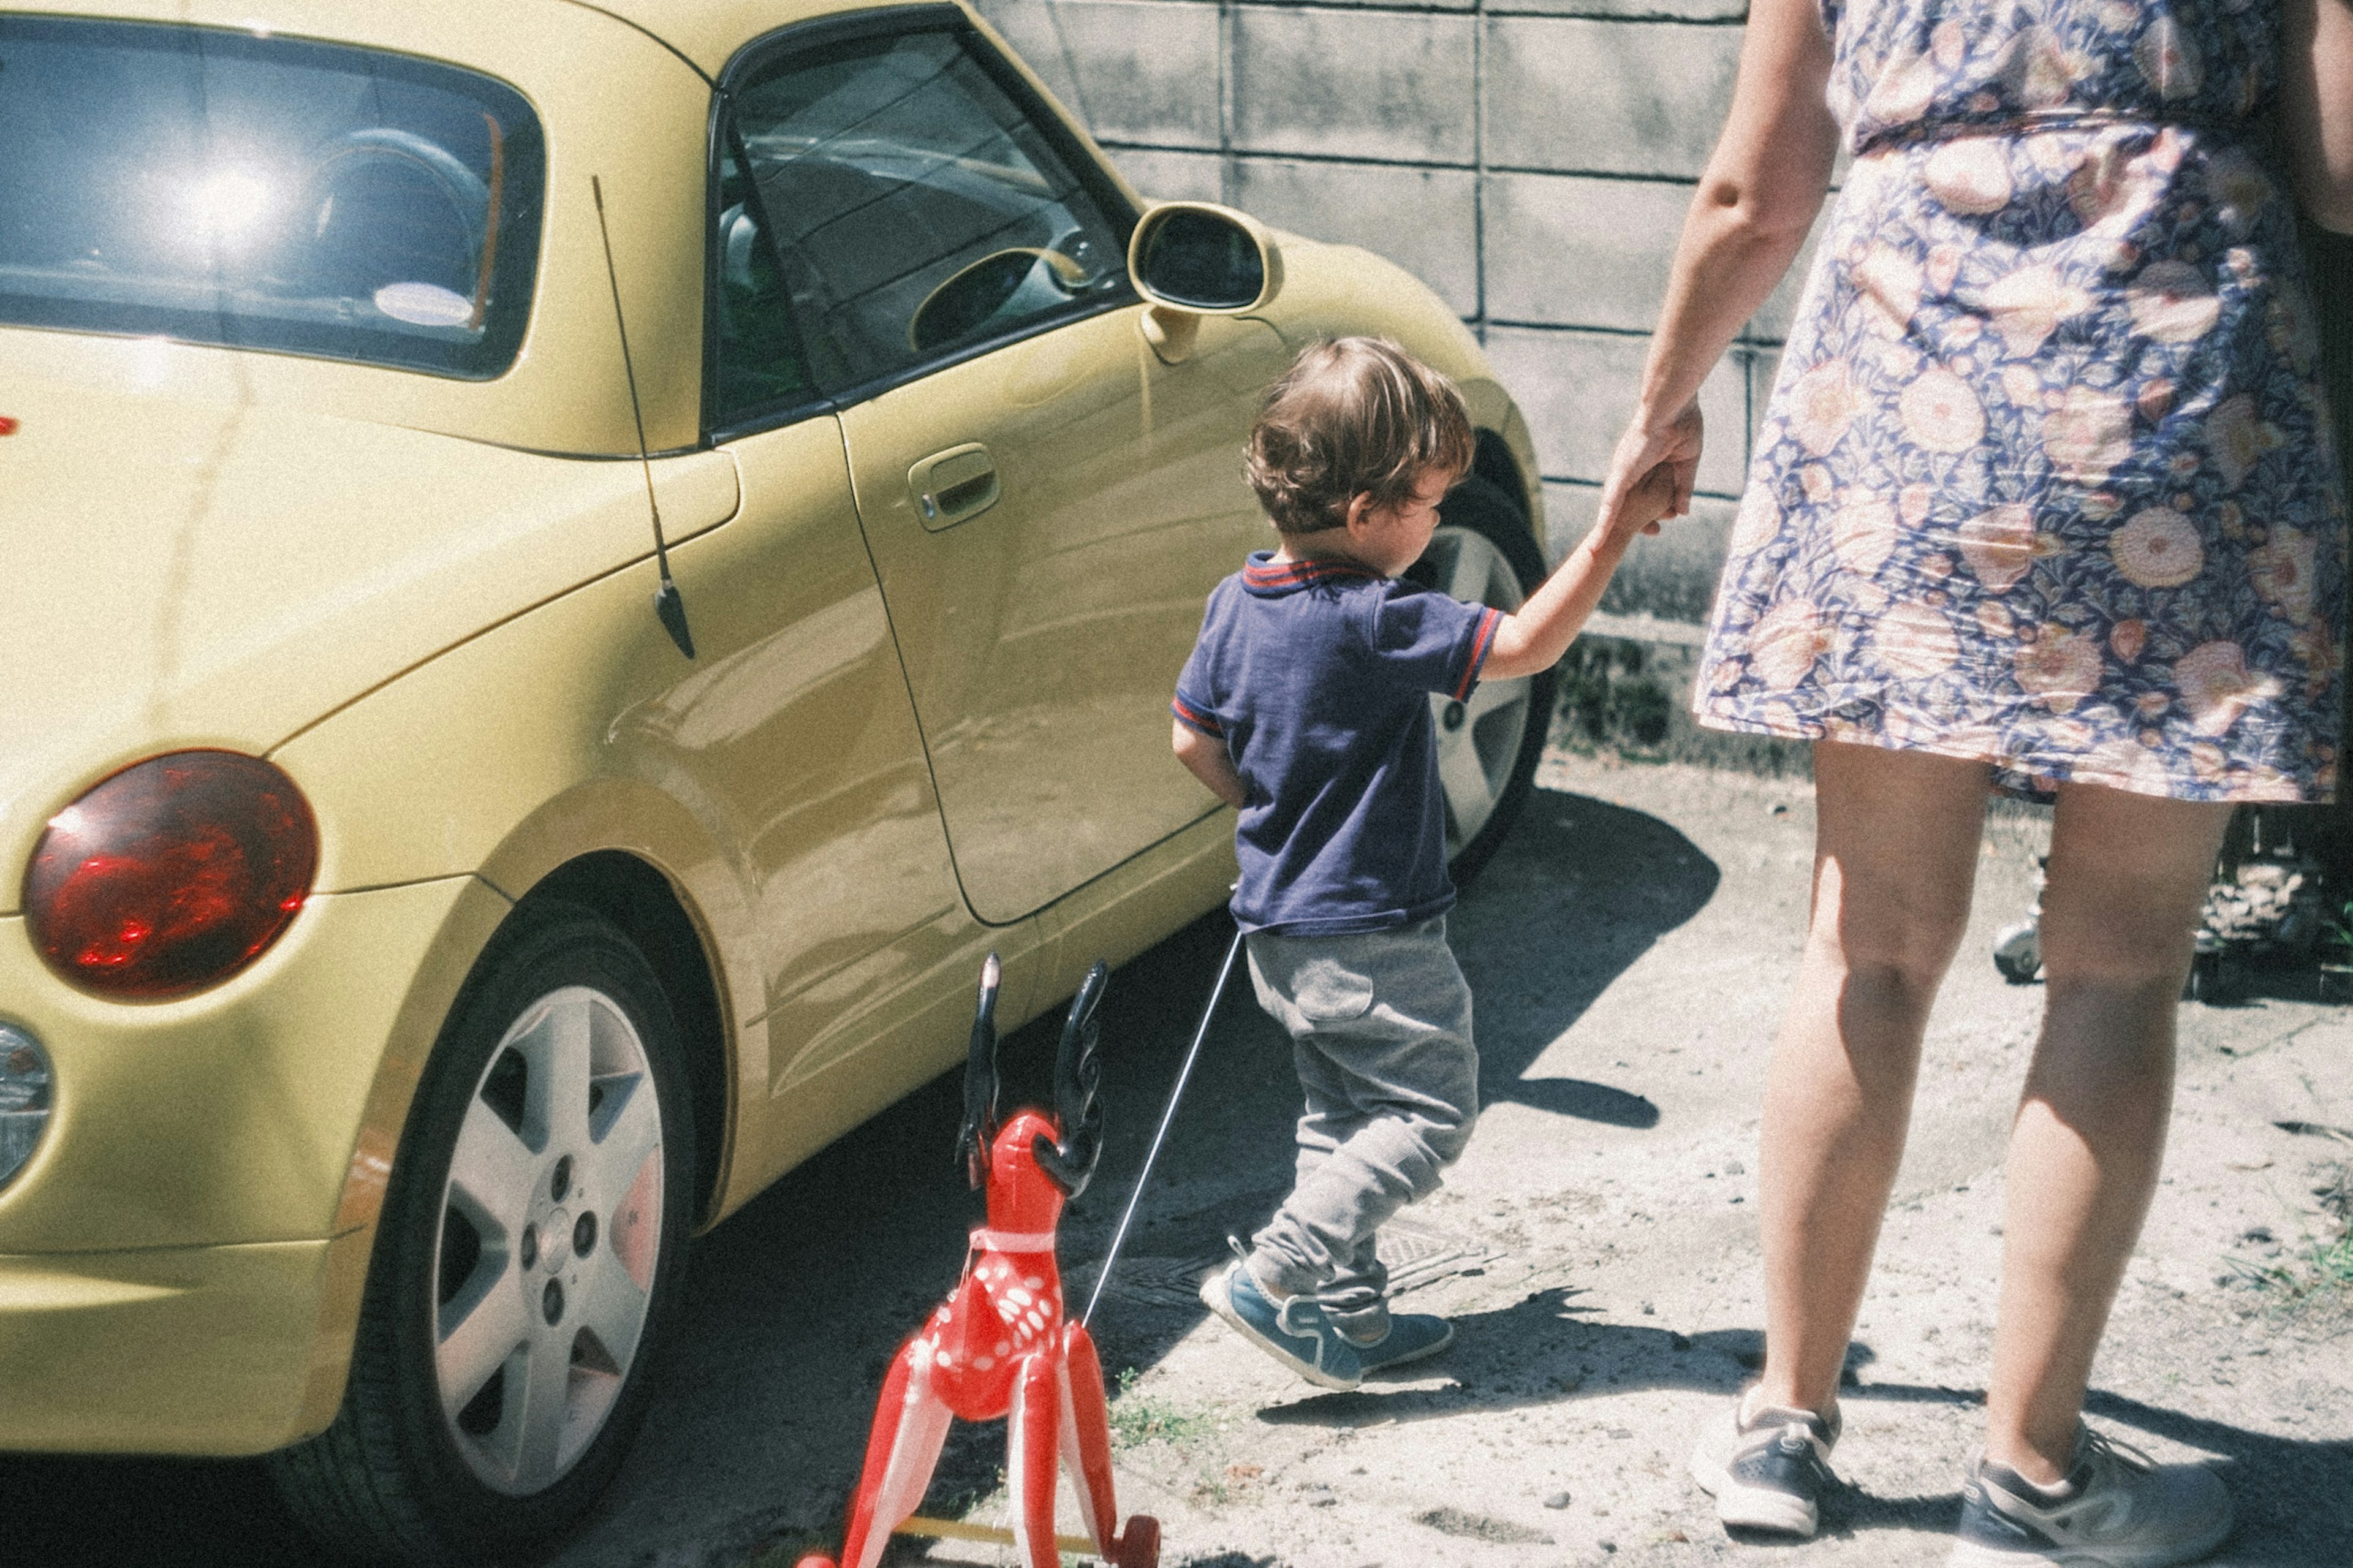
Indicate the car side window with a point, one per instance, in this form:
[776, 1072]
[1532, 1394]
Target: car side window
[762, 365]
[916, 209]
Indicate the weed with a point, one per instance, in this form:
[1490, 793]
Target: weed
[2317, 1273]
[1610, 704]
[1139, 1418]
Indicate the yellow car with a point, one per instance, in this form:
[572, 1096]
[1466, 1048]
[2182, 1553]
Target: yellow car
[571, 571]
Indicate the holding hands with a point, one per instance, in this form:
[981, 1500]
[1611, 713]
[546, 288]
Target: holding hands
[1642, 491]
[1651, 473]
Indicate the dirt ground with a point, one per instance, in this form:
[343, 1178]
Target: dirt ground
[1629, 950]
[1629, 953]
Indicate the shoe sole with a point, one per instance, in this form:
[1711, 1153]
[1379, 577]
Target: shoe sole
[1424, 1354]
[1752, 1508]
[1972, 1554]
[1217, 1294]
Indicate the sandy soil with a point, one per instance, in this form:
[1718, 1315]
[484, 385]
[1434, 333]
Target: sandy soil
[1629, 953]
[1629, 950]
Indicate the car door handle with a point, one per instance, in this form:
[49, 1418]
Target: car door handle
[954, 486]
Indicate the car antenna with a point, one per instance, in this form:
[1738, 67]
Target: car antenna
[670, 607]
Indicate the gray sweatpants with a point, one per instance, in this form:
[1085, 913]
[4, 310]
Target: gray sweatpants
[1380, 1031]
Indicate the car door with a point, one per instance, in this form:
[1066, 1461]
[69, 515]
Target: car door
[796, 723]
[1046, 504]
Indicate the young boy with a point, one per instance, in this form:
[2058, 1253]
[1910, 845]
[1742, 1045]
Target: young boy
[1305, 706]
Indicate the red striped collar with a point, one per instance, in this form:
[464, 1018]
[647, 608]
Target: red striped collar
[1264, 574]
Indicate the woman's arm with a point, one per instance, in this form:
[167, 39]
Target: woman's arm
[2316, 106]
[1756, 198]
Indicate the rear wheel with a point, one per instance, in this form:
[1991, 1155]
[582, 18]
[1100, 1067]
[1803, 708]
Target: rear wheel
[528, 1255]
[1488, 747]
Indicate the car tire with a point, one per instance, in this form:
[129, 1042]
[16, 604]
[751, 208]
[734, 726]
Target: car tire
[1488, 748]
[526, 1264]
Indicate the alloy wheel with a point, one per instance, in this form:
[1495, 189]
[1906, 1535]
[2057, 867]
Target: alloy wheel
[550, 1230]
[1479, 739]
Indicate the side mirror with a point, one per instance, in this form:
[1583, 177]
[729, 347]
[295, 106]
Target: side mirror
[1190, 260]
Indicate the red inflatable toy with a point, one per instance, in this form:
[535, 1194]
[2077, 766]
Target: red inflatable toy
[1000, 1345]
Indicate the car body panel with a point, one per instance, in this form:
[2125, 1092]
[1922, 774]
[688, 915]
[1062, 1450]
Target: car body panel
[777, 780]
[176, 607]
[456, 658]
[1042, 637]
[709, 33]
[195, 1350]
[266, 1078]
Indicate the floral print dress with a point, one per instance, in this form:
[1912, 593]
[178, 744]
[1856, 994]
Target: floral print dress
[2046, 479]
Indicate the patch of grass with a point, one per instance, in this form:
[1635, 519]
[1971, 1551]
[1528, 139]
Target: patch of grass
[2317, 1274]
[1140, 1419]
[1610, 704]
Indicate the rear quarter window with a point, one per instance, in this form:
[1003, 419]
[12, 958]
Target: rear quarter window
[263, 192]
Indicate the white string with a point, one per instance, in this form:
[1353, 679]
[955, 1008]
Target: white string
[1183, 1073]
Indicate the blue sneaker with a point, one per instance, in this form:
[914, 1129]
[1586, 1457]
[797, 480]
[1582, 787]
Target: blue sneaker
[1411, 1337]
[1296, 1333]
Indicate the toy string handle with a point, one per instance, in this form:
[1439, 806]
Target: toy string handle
[1167, 1116]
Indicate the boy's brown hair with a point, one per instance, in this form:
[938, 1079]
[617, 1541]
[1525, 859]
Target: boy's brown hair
[1352, 416]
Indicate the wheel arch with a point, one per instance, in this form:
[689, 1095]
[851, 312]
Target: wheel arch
[637, 856]
[642, 903]
[1492, 461]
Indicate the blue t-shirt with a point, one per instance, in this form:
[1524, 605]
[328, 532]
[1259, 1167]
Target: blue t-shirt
[1317, 676]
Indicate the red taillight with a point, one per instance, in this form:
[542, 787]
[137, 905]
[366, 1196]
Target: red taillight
[172, 875]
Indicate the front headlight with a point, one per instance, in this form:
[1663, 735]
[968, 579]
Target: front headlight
[24, 1098]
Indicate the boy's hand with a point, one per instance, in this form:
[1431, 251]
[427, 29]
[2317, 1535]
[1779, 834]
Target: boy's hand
[1653, 497]
[1651, 474]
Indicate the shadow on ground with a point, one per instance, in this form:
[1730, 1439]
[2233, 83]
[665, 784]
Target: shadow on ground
[2294, 1498]
[794, 1305]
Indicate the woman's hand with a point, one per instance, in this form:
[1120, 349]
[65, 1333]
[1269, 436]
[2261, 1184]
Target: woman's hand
[1646, 449]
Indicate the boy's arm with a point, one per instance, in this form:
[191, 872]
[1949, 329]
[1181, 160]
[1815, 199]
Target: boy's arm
[1207, 759]
[1534, 637]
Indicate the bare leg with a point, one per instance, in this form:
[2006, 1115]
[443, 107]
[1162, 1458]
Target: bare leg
[1894, 860]
[2126, 876]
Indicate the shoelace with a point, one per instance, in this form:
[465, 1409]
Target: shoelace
[2098, 1445]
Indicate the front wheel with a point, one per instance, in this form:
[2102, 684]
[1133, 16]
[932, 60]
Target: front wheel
[1488, 747]
[528, 1255]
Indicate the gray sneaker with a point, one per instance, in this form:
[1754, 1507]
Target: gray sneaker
[1768, 1472]
[2118, 1508]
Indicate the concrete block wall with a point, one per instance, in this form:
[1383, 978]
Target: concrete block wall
[1530, 160]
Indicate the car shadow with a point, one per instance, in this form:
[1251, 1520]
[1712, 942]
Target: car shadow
[794, 1307]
